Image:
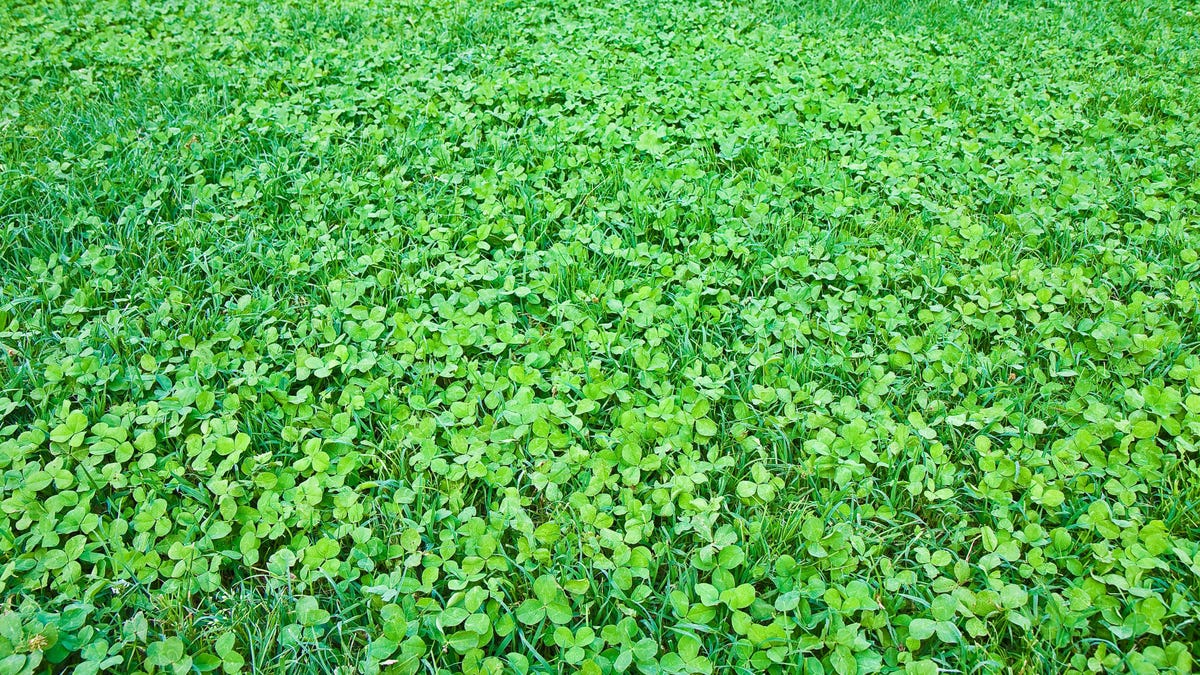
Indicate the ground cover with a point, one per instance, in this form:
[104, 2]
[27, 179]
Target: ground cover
[599, 337]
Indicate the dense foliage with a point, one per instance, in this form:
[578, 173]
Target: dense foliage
[604, 337]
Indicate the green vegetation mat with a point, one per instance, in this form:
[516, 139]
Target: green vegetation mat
[473, 336]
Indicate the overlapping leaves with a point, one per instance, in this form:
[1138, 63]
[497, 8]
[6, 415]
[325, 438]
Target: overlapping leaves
[602, 338]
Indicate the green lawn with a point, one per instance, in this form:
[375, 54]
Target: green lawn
[612, 336]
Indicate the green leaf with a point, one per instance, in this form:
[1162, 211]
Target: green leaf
[309, 612]
[922, 667]
[843, 661]
[1013, 596]
[165, 653]
[559, 612]
[650, 141]
[739, 597]
[463, 640]
[452, 616]
[546, 588]
[531, 612]
[706, 427]
[787, 601]
[730, 557]
[708, 594]
[922, 629]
